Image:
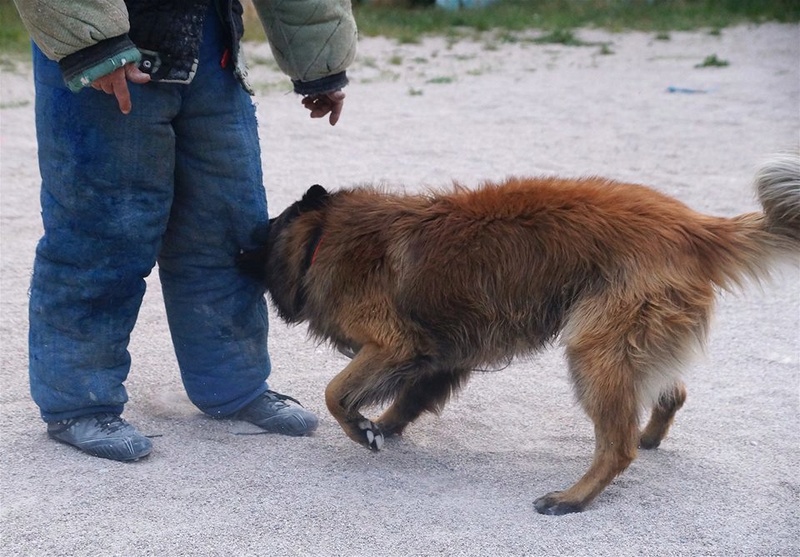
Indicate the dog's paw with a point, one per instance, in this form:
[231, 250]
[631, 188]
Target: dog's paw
[388, 430]
[551, 504]
[372, 435]
[649, 442]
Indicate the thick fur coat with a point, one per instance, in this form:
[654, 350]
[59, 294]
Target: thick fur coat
[424, 289]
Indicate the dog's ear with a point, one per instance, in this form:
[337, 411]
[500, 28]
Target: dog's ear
[315, 198]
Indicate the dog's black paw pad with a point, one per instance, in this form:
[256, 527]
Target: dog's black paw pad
[372, 434]
[549, 504]
[649, 443]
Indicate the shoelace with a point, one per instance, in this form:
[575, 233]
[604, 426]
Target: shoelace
[274, 398]
[109, 423]
[281, 398]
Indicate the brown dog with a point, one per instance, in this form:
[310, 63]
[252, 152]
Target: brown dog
[427, 288]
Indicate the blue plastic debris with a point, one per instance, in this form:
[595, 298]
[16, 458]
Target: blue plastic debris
[685, 90]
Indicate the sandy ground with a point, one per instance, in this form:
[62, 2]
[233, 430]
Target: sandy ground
[725, 482]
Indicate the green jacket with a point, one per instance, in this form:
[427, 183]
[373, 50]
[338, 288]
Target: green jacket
[313, 41]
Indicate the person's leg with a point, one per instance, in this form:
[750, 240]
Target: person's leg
[105, 198]
[217, 315]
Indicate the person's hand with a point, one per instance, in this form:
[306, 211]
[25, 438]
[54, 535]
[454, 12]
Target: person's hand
[116, 83]
[324, 103]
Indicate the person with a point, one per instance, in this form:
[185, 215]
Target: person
[149, 153]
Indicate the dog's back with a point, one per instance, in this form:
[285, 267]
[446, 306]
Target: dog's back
[473, 277]
[496, 272]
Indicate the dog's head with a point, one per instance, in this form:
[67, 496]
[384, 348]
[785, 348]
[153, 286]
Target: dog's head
[315, 199]
[285, 248]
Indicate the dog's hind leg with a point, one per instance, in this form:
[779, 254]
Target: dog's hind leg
[373, 376]
[425, 392]
[607, 391]
[661, 419]
[623, 353]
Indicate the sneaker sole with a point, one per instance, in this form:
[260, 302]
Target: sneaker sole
[132, 453]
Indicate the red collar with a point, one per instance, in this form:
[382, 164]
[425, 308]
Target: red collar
[316, 249]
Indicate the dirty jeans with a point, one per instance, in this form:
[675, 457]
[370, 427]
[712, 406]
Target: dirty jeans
[178, 182]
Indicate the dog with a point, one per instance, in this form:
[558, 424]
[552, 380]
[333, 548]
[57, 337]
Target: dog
[424, 289]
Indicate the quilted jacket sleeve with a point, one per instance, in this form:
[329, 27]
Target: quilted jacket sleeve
[88, 39]
[63, 27]
[313, 41]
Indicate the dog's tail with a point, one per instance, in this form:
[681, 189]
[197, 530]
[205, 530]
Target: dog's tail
[778, 187]
[750, 245]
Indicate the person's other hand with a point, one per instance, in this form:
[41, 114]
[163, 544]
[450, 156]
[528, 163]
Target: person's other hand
[325, 103]
[116, 83]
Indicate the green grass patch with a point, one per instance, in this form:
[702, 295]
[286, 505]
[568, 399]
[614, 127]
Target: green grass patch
[605, 50]
[14, 104]
[409, 24]
[441, 80]
[13, 35]
[560, 36]
[712, 62]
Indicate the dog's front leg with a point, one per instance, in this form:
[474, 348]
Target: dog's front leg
[367, 379]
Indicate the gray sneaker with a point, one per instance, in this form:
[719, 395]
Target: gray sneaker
[104, 435]
[271, 413]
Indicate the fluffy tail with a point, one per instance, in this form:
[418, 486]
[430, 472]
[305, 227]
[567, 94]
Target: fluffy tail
[750, 245]
[778, 187]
